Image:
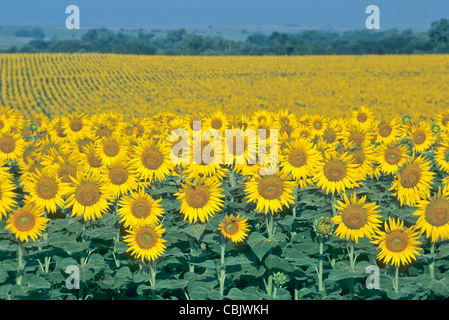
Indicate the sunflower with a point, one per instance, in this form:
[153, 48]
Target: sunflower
[356, 219]
[336, 172]
[88, 197]
[331, 137]
[299, 158]
[65, 166]
[111, 148]
[146, 242]
[7, 195]
[27, 222]
[413, 181]
[357, 136]
[397, 245]
[56, 130]
[46, 190]
[8, 119]
[318, 125]
[261, 117]
[422, 137]
[388, 131]
[270, 192]
[12, 147]
[365, 158]
[363, 117]
[200, 199]
[443, 120]
[151, 160]
[240, 147]
[75, 126]
[234, 228]
[89, 159]
[391, 157]
[441, 157]
[139, 207]
[434, 216]
[217, 120]
[205, 160]
[119, 178]
[302, 131]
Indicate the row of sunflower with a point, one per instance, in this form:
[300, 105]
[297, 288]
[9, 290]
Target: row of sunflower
[92, 165]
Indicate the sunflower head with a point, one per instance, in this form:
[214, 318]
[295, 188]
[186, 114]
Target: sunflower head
[397, 245]
[234, 227]
[146, 242]
[27, 222]
[323, 226]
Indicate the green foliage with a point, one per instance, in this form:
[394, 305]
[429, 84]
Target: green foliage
[307, 42]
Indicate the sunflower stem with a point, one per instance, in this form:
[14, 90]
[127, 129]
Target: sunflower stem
[269, 223]
[320, 266]
[19, 263]
[153, 272]
[352, 258]
[396, 280]
[222, 276]
[432, 264]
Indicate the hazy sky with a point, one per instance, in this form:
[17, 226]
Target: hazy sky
[313, 13]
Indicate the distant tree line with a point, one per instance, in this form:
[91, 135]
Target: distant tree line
[308, 42]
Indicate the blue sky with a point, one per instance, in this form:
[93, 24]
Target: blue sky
[311, 13]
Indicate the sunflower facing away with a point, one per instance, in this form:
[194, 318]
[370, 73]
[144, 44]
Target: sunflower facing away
[146, 242]
[356, 219]
[234, 228]
[200, 199]
[397, 245]
[413, 181]
[138, 208]
[270, 192]
[88, 197]
[336, 173]
[27, 222]
[434, 216]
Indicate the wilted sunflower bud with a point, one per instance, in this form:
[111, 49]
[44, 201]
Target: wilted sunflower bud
[323, 226]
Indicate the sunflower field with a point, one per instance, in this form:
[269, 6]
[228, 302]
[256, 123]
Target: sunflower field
[94, 207]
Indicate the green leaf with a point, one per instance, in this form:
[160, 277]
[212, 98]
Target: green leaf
[105, 233]
[122, 276]
[68, 244]
[195, 230]
[37, 282]
[4, 291]
[440, 287]
[6, 245]
[443, 251]
[199, 290]
[259, 244]
[249, 293]
[172, 284]
[275, 262]
[208, 264]
[240, 260]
